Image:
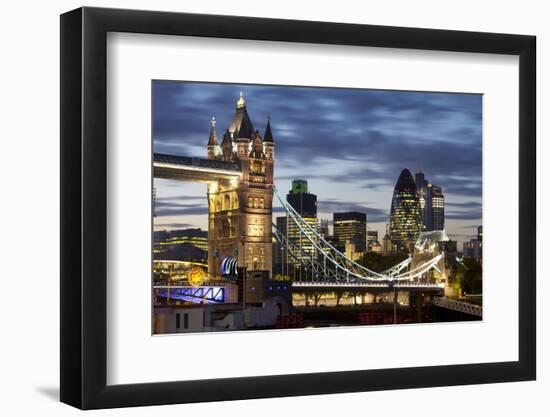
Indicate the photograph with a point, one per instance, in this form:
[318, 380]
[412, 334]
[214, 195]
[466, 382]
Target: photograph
[291, 207]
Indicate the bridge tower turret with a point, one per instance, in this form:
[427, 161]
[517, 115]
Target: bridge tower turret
[227, 147]
[242, 138]
[213, 147]
[269, 145]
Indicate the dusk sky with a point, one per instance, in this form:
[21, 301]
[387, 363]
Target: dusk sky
[349, 144]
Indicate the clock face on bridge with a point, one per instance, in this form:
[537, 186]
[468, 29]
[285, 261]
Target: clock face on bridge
[196, 276]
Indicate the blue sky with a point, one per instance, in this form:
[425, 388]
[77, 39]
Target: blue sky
[350, 144]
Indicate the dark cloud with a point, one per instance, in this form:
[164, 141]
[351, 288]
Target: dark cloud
[465, 190]
[368, 135]
[377, 185]
[177, 198]
[464, 204]
[463, 215]
[168, 208]
[330, 205]
[176, 225]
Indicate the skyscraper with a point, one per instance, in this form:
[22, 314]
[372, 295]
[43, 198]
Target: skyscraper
[305, 204]
[421, 188]
[432, 203]
[436, 203]
[405, 218]
[301, 200]
[351, 227]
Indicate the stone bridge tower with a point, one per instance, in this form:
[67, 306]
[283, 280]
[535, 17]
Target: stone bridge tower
[240, 211]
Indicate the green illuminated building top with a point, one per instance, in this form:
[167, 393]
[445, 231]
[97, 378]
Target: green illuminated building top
[299, 187]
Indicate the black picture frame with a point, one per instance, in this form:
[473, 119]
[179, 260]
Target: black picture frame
[84, 207]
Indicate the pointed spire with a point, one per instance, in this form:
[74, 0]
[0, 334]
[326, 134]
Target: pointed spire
[240, 102]
[227, 146]
[226, 137]
[387, 235]
[268, 136]
[246, 129]
[213, 139]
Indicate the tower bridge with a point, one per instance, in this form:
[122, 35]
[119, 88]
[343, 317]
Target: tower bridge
[239, 174]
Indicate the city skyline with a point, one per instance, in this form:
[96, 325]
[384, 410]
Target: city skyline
[350, 145]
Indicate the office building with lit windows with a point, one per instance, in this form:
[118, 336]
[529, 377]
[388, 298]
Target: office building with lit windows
[351, 227]
[405, 216]
[432, 203]
[421, 188]
[437, 207]
[305, 204]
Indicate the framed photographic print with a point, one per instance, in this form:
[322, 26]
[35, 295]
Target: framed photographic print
[257, 208]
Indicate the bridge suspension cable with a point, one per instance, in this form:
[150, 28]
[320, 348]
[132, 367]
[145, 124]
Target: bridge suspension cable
[323, 258]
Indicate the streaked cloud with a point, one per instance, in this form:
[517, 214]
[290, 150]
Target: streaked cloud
[351, 144]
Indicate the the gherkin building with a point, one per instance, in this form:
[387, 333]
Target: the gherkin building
[405, 219]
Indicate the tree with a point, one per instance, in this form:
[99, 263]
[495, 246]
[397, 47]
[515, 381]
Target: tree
[472, 278]
[378, 262]
[316, 297]
[339, 293]
[467, 277]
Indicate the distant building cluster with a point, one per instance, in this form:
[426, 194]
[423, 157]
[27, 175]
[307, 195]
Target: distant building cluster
[417, 209]
[473, 248]
[349, 229]
[417, 220]
[177, 252]
[181, 245]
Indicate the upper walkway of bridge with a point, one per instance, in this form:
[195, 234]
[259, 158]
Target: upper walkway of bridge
[193, 169]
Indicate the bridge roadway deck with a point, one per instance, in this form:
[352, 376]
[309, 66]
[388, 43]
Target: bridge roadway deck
[368, 286]
[332, 285]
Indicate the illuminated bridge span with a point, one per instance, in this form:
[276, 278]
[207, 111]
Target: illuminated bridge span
[326, 266]
[330, 268]
[366, 284]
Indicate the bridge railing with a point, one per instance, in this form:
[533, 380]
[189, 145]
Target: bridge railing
[461, 306]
